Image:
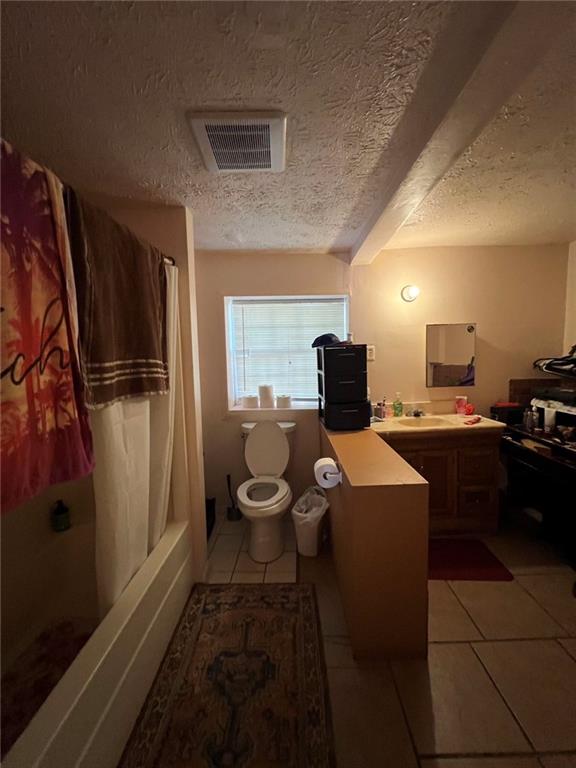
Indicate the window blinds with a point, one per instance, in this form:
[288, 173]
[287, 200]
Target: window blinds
[269, 341]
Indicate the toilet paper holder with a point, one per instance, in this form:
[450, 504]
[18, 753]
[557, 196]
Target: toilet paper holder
[327, 473]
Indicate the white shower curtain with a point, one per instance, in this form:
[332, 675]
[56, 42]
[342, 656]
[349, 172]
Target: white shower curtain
[133, 446]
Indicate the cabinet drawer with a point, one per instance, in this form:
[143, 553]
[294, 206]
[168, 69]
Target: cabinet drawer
[345, 416]
[341, 361]
[477, 466]
[351, 388]
[477, 501]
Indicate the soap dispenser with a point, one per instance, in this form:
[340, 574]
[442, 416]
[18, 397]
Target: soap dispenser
[397, 406]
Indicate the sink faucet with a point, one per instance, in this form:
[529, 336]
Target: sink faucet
[417, 412]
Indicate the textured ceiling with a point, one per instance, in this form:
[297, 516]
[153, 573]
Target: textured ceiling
[516, 184]
[100, 91]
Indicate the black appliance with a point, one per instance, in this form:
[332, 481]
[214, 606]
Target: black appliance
[508, 413]
[565, 395]
[541, 465]
[343, 386]
[541, 473]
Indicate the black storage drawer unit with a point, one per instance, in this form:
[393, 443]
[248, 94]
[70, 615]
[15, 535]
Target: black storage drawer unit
[343, 416]
[343, 387]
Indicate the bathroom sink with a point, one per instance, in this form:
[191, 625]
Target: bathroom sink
[423, 422]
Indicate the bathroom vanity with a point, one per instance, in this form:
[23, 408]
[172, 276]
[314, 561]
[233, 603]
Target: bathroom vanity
[460, 463]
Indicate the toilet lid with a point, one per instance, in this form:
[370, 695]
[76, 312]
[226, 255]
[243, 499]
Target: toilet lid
[267, 450]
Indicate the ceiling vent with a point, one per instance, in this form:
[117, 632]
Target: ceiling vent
[241, 141]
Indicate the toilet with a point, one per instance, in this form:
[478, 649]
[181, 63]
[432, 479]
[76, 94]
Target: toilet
[265, 498]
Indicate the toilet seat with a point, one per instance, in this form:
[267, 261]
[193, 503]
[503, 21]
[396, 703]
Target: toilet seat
[266, 450]
[282, 490]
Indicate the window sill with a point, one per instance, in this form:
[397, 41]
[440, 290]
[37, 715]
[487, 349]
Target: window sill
[294, 407]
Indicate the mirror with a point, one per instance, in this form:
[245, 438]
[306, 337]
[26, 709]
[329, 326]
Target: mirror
[450, 355]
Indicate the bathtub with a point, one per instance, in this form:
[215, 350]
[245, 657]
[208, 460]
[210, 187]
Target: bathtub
[87, 718]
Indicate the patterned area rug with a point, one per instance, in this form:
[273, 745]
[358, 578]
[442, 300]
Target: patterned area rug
[243, 683]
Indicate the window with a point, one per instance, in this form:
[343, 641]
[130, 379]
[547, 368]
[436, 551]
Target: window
[269, 341]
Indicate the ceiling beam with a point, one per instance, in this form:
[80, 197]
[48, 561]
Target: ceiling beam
[472, 73]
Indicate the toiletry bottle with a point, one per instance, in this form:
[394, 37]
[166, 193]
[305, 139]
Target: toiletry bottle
[535, 419]
[383, 414]
[60, 517]
[397, 406]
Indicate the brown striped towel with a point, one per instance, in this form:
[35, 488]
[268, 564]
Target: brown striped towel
[121, 290]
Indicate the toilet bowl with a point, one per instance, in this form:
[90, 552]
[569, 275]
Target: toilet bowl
[264, 499]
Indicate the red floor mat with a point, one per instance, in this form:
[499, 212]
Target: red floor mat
[464, 560]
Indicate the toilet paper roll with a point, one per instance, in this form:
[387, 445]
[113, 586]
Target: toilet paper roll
[327, 473]
[250, 401]
[283, 401]
[266, 395]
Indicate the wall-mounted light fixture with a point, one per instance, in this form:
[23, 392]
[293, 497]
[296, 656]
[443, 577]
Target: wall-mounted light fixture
[410, 292]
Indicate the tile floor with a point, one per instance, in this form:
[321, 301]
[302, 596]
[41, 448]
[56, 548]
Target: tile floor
[229, 561]
[498, 689]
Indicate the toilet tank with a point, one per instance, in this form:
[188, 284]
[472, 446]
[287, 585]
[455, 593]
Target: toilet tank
[288, 427]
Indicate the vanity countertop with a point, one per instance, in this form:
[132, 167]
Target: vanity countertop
[368, 461]
[449, 423]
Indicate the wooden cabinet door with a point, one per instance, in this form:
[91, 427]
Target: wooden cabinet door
[413, 458]
[478, 508]
[439, 468]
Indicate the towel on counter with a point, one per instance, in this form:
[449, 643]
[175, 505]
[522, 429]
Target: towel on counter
[46, 436]
[121, 289]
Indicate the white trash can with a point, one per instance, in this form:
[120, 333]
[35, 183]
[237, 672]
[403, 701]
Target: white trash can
[307, 515]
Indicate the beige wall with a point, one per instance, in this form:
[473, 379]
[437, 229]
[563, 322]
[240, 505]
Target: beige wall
[570, 317]
[515, 295]
[227, 273]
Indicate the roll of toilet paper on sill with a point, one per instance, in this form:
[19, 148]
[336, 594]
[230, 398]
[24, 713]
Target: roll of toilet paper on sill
[327, 473]
[250, 401]
[283, 401]
[266, 395]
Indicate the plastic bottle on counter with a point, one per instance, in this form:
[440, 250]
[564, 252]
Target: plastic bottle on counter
[397, 406]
